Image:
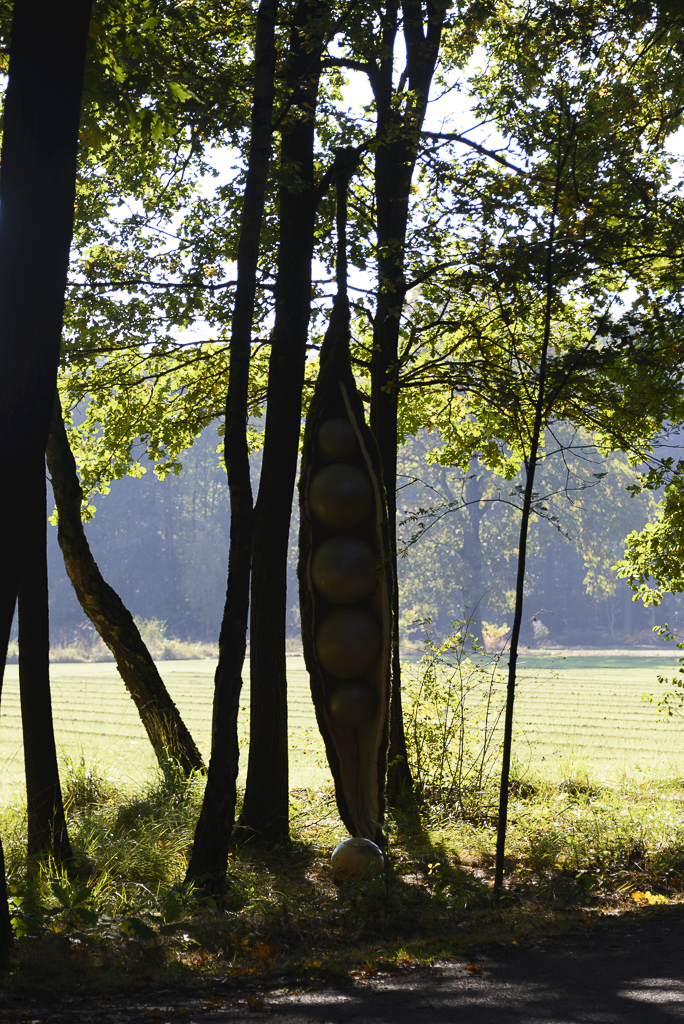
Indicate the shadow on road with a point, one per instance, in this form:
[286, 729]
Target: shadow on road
[627, 971]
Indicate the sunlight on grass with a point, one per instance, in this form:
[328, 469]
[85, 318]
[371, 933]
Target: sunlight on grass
[587, 835]
[579, 708]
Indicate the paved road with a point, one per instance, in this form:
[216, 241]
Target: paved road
[630, 971]
[624, 973]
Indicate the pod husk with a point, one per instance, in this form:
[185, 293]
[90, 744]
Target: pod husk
[357, 757]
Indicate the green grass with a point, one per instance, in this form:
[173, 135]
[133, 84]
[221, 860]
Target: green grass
[590, 709]
[577, 850]
[95, 716]
[580, 709]
[594, 829]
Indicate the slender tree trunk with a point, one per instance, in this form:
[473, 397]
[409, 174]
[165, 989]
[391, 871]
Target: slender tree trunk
[395, 161]
[531, 465]
[265, 810]
[530, 469]
[37, 191]
[105, 609]
[47, 830]
[217, 817]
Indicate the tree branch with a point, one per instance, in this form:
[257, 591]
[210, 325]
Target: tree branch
[492, 154]
[351, 65]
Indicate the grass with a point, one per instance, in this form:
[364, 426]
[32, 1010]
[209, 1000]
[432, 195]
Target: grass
[578, 849]
[591, 709]
[95, 717]
[588, 837]
[582, 709]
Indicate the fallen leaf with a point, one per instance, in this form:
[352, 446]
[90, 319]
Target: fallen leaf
[648, 898]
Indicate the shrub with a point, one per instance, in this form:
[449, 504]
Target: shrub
[452, 707]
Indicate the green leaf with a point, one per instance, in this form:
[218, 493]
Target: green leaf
[173, 909]
[171, 929]
[61, 893]
[181, 92]
[137, 929]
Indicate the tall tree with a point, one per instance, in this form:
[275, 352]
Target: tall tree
[165, 728]
[473, 588]
[217, 817]
[46, 824]
[37, 191]
[400, 115]
[265, 809]
[540, 288]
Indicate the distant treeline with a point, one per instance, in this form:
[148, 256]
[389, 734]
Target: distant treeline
[163, 545]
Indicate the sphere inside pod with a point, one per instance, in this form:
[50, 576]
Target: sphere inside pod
[356, 858]
[340, 496]
[353, 704]
[348, 643]
[336, 439]
[344, 569]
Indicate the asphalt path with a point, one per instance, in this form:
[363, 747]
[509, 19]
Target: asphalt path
[626, 972]
[630, 969]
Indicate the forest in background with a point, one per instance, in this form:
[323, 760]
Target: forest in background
[163, 545]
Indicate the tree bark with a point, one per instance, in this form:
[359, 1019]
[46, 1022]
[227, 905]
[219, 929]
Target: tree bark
[47, 829]
[265, 809]
[37, 193]
[217, 817]
[105, 609]
[395, 161]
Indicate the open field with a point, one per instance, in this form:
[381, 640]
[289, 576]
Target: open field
[589, 709]
[580, 710]
[94, 715]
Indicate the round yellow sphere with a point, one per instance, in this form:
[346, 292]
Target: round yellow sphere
[348, 642]
[356, 858]
[340, 496]
[336, 439]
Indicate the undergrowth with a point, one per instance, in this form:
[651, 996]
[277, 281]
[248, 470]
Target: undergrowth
[84, 645]
[578, 846]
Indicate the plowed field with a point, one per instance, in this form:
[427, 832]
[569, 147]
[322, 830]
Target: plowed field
[580, 709]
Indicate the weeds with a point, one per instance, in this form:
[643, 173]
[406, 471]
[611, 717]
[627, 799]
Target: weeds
[452, 706]
[163, 648]
[85, 784]
[575, 851]
[85, 645]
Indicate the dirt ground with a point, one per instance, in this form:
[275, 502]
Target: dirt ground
[629, 968]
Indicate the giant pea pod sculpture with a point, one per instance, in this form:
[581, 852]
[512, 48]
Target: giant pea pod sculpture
[344, 593]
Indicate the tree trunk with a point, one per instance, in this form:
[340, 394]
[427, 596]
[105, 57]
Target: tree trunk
[103, 606]
[265, 810]
[47, 830]
[531, 460]
[37, 192]
[395, 161]
[217, 817]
